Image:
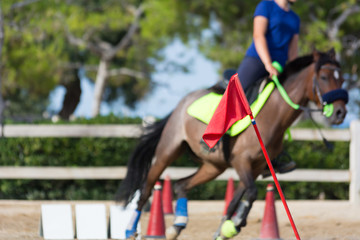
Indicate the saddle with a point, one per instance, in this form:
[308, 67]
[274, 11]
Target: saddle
[251, 94]
[204, 107]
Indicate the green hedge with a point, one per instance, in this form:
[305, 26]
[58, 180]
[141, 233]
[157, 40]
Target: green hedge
[116, 151]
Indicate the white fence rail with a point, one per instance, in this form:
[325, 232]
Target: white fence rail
[132, 131]
[76, 130]
[69, 173]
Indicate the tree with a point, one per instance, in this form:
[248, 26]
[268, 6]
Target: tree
[119, 43]
[118, 36]
[106, 52]
[128, 50]
[30, 59]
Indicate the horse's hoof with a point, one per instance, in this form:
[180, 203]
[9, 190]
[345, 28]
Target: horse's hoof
[172, 233]
[228, 230]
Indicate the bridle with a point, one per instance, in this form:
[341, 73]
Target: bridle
[325, 99]
[328, 98]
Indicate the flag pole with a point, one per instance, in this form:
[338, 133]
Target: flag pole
[277, 184]
[233, 107]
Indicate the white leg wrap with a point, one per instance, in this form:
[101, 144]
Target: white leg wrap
[180, 221]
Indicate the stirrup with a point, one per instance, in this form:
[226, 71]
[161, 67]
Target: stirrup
[280, 166]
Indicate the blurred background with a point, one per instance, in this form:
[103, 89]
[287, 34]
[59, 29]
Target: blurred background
[136, 58]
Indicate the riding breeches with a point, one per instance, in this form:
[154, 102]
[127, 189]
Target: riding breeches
[251, 70]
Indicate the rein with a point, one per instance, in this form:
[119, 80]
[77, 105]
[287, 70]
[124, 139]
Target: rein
[326, 99]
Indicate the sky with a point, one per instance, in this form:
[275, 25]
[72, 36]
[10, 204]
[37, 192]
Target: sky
[170, 90]
[162, 100]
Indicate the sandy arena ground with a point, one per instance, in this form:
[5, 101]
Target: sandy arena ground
[316, 220]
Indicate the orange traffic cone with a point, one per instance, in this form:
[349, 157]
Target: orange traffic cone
[167, 197]
[229, 194]
[156, 227]
[269, 226]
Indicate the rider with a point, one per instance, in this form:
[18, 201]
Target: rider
[275, 38]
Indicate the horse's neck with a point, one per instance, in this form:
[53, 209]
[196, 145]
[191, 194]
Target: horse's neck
[298, 87]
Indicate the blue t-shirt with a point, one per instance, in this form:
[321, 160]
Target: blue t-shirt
[282, 26]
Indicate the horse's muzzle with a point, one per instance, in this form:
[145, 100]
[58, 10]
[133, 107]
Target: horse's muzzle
[339, 113]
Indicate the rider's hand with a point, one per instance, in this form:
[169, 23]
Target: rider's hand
[271, 70]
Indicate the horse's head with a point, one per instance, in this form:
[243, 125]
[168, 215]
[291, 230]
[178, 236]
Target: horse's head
[326, 87]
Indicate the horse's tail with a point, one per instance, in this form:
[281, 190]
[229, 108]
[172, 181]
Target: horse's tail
[140, 161]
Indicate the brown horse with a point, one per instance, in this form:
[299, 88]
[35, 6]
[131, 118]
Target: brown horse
[314, 77]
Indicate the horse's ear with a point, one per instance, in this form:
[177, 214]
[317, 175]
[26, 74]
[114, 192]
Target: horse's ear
[332, 53]
[316, 54]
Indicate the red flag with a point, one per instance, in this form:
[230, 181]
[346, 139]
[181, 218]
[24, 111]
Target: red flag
[232, 107]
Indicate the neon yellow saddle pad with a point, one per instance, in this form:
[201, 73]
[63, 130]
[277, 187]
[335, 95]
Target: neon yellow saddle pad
[204, 107]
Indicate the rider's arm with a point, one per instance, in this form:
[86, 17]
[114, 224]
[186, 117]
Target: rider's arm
[293, 47]
[260, 27]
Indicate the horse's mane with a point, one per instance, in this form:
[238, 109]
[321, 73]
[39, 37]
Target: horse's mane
[295, 66]
[302, 62]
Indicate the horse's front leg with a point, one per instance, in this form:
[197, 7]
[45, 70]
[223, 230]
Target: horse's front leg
[231, 226]
[239, 219]
[231, 208]
[238, 210]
